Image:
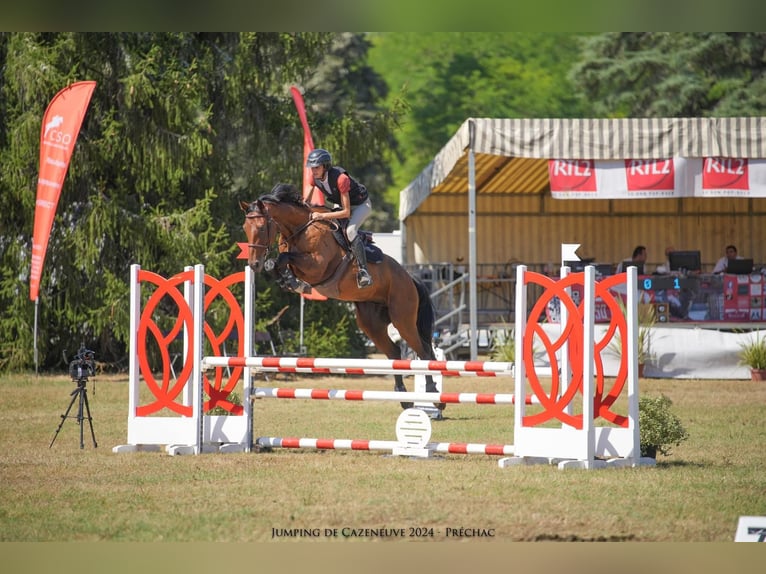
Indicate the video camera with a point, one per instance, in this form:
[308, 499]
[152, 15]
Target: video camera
[83, 365]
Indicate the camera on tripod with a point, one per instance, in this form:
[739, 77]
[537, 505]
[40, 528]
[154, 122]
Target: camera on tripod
[83, 365]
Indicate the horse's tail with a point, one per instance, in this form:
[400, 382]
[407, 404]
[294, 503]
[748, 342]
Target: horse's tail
[426, 315]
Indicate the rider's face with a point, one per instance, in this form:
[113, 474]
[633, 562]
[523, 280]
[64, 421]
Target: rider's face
[318, 171]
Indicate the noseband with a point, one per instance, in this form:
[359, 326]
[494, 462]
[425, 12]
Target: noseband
[269, 222]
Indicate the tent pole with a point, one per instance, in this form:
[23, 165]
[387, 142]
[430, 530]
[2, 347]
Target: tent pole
[403, 242]
[472, 243]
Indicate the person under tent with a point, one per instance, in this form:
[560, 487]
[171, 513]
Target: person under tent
[723, 263]
[637, 259]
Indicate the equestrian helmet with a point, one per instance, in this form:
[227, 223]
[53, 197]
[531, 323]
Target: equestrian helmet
[319, 157]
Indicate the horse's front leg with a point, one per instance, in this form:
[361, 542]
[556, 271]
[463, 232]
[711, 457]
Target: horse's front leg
[271, 268]
[278, 268]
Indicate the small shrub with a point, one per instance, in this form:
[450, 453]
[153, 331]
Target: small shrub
[327, 341]
[503, 347]
[753, 352]
[659, 428]
[647, 318]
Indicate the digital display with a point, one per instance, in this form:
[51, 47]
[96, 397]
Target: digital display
[664, 282]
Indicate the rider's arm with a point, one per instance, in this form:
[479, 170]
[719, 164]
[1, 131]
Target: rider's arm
[344, 186]
[308, 193]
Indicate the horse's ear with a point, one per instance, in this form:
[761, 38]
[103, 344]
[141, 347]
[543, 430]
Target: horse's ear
[245, 206]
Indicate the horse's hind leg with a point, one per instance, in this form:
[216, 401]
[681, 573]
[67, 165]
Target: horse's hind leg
[404, 316]
[399, 387]
[373, 319]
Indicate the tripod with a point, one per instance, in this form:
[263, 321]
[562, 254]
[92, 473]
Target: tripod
[82, 393]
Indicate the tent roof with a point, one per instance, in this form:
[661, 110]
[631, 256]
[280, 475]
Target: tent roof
[511, 155]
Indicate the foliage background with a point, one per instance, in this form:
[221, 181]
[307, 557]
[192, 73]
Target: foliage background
[180, 127]
[184, 125]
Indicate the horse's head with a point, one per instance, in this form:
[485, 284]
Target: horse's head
[260, 231]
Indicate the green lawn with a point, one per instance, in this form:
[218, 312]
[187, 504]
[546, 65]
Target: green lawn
[65, 493]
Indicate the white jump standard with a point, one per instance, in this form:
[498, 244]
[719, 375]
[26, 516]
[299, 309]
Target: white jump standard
[576, 443]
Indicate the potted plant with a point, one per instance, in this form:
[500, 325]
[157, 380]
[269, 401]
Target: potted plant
[659, 428]
[647, 319]
[753, 354]
[503, 346]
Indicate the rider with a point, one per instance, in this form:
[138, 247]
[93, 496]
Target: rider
[341, 189]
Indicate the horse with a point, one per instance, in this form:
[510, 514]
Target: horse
[311, 257]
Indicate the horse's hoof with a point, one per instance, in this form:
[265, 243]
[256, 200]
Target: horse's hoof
[406, 406]
[440, 406]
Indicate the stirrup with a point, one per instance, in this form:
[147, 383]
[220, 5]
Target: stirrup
[363, 279]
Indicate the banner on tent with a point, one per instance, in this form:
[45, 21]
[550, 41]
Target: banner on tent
[657, 178]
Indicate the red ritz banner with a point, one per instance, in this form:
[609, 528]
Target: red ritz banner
[650, 174]
[725, 173]
[572, 175]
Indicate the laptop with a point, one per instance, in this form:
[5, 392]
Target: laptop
[740, 267]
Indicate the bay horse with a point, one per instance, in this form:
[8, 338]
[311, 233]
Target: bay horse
[310, 253]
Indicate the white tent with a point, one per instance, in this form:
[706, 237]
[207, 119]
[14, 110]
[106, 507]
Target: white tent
[498, 159]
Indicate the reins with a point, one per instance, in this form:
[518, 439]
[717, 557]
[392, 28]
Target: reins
[302, 228]
[298, 231]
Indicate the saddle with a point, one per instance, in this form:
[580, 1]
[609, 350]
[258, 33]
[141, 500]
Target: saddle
[372, 251]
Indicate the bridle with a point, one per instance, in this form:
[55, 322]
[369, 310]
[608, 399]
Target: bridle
[268, 246]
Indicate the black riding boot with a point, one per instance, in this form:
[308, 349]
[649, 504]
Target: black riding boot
[363, 278]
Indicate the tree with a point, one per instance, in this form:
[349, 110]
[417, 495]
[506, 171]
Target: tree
[661, 74]
[180, 127]
[447, 77]
[345, 86]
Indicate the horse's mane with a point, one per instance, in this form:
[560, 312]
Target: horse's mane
[284, 193]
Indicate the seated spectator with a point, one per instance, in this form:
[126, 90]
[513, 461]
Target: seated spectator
[638, 259]
[722, 264]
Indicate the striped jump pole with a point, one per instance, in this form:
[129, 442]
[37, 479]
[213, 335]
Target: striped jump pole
[367, 395]
[365, 366]
[384, 445]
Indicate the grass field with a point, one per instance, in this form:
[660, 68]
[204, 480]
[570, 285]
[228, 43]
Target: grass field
[65, 493]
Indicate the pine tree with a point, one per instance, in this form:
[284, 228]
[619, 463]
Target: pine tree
[670, 74]
[180, 127]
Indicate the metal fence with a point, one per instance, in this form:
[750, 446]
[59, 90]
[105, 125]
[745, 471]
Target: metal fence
[495, 309]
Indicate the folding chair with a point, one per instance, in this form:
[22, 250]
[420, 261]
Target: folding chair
[263, 337]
